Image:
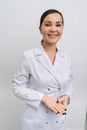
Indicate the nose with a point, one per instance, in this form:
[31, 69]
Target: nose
[53, 28]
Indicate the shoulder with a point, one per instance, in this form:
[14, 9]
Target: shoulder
[34, 51]
[29, 52]
[65, 56]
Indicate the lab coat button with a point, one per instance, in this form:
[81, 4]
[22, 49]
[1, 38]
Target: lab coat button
[59, 88]
[56, 121]
[48, 89]
[46, 111]
[46, 123]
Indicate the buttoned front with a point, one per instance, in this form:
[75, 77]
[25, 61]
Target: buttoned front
[37, 77]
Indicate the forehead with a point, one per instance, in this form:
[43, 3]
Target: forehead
[54, 17]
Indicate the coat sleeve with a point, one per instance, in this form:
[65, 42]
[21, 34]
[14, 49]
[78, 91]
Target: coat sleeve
[20, 84]
[69, 85]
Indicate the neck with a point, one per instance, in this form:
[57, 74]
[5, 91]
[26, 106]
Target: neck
[49, 47]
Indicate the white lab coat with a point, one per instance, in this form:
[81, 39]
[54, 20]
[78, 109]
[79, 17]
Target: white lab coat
[36, 77]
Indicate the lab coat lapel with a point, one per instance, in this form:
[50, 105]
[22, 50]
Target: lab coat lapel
[42, 59]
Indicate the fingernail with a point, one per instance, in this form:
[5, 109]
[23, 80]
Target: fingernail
[64, 113]
[57, 101]
[57, 113]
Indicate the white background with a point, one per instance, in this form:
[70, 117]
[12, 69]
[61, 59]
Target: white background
[19, 22]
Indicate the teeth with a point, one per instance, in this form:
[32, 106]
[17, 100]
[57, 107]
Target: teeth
[52, 35]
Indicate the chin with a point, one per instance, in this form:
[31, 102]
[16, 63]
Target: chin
[53, 41]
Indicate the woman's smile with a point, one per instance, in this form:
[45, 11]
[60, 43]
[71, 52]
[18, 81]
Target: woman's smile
[52, 36]
[52, 28]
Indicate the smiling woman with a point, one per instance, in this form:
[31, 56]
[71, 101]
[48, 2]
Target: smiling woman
[52, 26]
[44, 78]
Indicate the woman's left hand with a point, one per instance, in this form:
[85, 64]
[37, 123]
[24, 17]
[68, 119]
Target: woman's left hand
[64, 100]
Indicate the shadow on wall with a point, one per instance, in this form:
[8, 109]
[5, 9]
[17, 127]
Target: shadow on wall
[86, 120]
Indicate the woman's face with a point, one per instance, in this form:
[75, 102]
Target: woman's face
[51, 28]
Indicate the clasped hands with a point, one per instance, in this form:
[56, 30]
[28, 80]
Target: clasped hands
[57, 106]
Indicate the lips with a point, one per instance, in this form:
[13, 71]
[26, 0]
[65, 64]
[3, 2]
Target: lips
[52, 35]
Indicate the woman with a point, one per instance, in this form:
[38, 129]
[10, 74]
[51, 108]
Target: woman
[44, 78]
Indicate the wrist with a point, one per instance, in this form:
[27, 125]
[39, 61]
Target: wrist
[44, 99]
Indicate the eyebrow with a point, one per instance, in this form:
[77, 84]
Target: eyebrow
[50, 21]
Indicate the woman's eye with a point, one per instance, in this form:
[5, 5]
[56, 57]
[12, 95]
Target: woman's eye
[47, 24]
[59, 25]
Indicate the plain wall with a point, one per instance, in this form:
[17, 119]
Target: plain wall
[19, 22]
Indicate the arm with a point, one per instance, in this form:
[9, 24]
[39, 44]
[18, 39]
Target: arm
[65, 98]
[21, 85]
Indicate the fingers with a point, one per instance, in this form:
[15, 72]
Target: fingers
[53, 105]
[62, 106]
[64, 100]
[58, 108]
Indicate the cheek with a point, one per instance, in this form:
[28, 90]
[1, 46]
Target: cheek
[60, 31]
[44, 31]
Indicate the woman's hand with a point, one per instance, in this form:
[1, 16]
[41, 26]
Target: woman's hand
[64, 100]
[53, 105]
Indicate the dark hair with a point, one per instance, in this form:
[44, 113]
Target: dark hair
[50, 11]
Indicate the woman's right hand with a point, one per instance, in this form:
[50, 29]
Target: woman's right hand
[53, 105]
